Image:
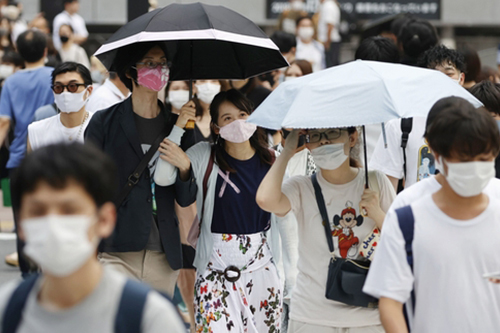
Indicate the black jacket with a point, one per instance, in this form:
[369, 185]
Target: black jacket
[114, 131]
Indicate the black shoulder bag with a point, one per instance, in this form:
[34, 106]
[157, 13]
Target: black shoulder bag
[346, 277]
[133, 179]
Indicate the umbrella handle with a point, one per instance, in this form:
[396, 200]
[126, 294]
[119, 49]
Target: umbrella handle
[190, 123]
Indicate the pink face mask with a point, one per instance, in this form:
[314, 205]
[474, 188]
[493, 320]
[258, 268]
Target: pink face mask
[153, 78]
[238, 131]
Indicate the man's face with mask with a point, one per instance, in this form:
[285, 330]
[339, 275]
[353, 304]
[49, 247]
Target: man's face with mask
[451, 71]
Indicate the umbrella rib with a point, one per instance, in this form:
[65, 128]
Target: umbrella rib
[385, 87]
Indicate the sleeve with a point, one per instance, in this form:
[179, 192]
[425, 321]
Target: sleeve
[160, 315]
[387, 193]
[166, 173]
[186, 191]
[5, 103]
[81, 28]
[95, 132]
[390, 275]
[292, 189]
[389, 160]
[331, 13]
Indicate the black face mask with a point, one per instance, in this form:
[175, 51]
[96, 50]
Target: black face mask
[302, 138]
[64, 39]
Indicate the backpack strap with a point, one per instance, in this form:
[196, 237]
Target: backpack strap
[13, 312]
[322, 209]
[406, 222]
[130, 311]
[406, 127]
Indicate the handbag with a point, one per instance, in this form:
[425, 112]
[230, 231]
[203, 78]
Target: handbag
[194, 231]
[346, 277]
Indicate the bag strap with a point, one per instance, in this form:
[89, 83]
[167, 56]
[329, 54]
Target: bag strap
[406, 127]
[14, 310]
[208, 172]
[133, 179]
[406, 222]
[322, 209]
[130, 310]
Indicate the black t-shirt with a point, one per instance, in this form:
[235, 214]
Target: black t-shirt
[235, 208]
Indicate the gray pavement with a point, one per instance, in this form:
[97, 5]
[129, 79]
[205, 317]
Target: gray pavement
[7, 273]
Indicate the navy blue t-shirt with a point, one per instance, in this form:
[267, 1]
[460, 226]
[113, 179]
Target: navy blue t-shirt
[238, 213]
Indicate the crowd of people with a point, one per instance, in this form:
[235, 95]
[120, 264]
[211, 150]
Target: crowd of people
[110, 186]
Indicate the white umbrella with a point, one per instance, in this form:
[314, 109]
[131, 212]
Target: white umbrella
[354, 94]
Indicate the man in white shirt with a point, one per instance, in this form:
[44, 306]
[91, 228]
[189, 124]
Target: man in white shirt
[391, 160]
[112, 91]
[307, 47]
[455, 234]
[328, 30]
[69, 16]
[65, 197]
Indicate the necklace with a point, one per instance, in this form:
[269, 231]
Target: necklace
[81, 127]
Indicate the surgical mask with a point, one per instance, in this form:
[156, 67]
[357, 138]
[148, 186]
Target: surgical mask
[288, 78]
[59, 244]
[238, 131]
[64, 39]
[468, 179]
[178, 98]
[297, 5]
[6, 71]
[305, 33]
[329, 157]
[97, 76]
[70, 102]
[153, 78]
[207, 91]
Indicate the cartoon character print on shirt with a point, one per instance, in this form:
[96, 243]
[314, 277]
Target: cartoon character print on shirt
[426, 165]
[343, 230]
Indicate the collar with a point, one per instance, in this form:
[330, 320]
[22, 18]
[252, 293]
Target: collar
[114, 89]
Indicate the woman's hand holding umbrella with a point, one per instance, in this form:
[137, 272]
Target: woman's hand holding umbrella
[187, 113]
[173, 154]
[370, 203]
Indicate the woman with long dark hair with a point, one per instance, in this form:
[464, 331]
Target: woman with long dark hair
[237, 286]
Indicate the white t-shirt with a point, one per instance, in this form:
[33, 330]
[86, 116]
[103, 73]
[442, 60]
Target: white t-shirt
[420, 161]
[373, 133]
[329, 13]
[449, 258]
[309, 304]
[96, 313]
[431, 185]
[314, 52]
[105, 96]
[75, 21]
[75, 53]
[51, 130]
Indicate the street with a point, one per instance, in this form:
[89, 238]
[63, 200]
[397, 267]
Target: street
[7, 244]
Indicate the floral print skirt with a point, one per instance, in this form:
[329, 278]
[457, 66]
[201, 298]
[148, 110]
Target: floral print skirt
[240, 291]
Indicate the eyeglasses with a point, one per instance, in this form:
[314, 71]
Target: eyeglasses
[153, 65]
[331, 134]
[72, 87]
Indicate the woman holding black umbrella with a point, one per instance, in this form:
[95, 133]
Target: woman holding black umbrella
[146, 243]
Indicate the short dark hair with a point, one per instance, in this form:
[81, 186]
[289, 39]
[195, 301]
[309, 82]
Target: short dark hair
[284, 40]
[399, 22]
[68, 1]
[258, 141]
[70, 66]
[455, 127]
[440, 54]
[128, 56]
[13, 58]
[59, 164]
[489, 94]
[472, 62]
[303, 17]
[378, 49]
[416, 37]
[31, 45]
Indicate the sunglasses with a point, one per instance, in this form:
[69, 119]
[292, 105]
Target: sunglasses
[72, 87]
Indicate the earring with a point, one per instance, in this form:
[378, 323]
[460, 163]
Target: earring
[217, 139]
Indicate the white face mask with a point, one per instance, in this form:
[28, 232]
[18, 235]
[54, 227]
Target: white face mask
[468, 179]
[178, 98]
[305, 33]
[70, 102]
[329, 157]
[6, 71]
[207, 91]
[288, 78]
[59, 244]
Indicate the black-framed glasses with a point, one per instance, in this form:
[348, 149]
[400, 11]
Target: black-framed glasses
[72, 87]
[330, 134]
[154, 64]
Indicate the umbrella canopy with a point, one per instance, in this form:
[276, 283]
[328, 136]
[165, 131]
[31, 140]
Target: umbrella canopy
[208, 42]
[354, 94]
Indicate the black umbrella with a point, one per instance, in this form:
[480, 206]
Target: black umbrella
[209, 42]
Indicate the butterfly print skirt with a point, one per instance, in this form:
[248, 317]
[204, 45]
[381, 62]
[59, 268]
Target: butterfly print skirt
[240, 289]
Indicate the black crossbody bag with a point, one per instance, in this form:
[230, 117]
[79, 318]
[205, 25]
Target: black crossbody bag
[346, 277]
